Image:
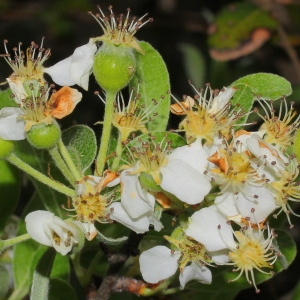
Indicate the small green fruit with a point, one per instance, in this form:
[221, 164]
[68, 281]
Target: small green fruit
[44, 136]
[114, 66]
[6, 147]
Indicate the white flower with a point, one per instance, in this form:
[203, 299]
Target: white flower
[183, 174]
[136, 209]
[159, 263]
[49, 230]
[249, 251]
[76, 69]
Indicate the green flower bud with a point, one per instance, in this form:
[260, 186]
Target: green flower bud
[44, 136]
[114, 66]
[6, 147]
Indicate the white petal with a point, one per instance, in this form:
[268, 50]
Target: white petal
[193, 155]
[204, 229]
[195, 272]
[263, 203]
[185, 182]
[139, 225]
[61, 72]
[82, 64]
[11, 127]
[18, 90]
[158, 263]
[220, 257]
[35, 226]
[131, 199]
[226, 204]
[221, 99]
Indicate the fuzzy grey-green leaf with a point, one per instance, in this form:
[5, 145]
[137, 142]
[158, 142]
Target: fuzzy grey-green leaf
[81, 143]
[153, 79]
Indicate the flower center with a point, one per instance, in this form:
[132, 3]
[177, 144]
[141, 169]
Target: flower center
[90, 205]
[279, 129]
[190, 250]
[206, 118]
[29, 64]
[252, 252]
[120, 30]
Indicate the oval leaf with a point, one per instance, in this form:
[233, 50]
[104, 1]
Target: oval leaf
[81, 143]
[153, 79]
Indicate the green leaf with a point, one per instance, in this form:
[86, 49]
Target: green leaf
[194, 63]
[60, 289]
[61, 267]
[265, 85]
[4, 281]
[24, 254]
[81, 143]
[41, 275]
[154, 83]
[296, 293]
[175, 139]
[10, 186]
[235, 24]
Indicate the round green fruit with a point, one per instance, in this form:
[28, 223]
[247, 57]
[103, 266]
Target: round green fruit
[6, 147]
[114, 66]
[44, 136]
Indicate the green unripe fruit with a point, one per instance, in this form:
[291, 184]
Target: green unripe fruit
[44, 136]
[6, 147]
[114, 66]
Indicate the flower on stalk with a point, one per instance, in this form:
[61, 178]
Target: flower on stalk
[34, 107]
[49, 230]
[206, 118]
[247, 249]
[133, 116]
[180, 172]
[160, 262]
[77, 68]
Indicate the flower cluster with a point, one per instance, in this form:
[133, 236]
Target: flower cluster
[220, 183]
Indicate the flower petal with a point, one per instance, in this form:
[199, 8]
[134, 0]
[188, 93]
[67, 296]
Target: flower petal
[158, 263]
[139, 225]
[131, 199]
[195, 272]
[194, 155]
[82, 64]
[204, 229]
[61, 72]
[184, 181]
[11, 127]
[35, 226]
[259, 198]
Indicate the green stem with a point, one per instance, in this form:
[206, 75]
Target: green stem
[108, 117]
[119, 150]
[13, 159]
[68, 159]
[10, 242]
[158, 289]
[60, 163]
